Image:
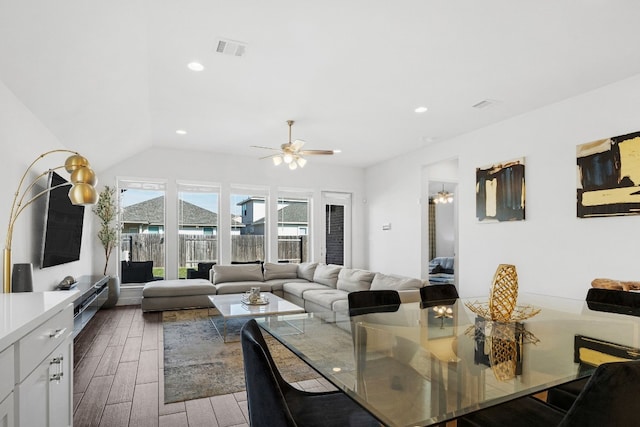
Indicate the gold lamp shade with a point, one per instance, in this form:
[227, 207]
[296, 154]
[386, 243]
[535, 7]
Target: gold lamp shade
[74, 162]
[83, 194]
[84, 175]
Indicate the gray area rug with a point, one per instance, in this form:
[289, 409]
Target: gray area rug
[197, 363]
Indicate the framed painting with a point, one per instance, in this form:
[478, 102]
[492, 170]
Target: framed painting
[608, 177]
[500, 191]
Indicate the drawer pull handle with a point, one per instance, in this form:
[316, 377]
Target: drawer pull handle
[58, 333]
[57, 376]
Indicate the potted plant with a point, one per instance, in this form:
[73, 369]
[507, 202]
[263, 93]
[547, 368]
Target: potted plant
[106, 212]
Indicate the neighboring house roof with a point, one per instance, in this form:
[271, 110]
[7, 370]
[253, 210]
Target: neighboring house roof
[152, 212]
[250, 199]
[293, 213]
[148, 212]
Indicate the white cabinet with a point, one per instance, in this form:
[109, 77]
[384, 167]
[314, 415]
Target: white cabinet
[36, 359]
[44, 368]
[6, 411]
[44, 397]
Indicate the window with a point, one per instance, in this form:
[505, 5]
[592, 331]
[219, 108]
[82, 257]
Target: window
[198, 207]
[248, 225]
[293, 224]
[142, 225]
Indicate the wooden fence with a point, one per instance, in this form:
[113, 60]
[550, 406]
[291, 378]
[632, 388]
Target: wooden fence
[195, 248]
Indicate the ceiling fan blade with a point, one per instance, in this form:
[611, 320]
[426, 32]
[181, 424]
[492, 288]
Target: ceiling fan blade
[265, 148]
[297, 144]
[315, 152]
[268, 157]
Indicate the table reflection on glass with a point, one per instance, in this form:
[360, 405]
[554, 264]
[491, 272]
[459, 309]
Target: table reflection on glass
[423, 366]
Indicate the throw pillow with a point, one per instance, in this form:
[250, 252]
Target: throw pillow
[306, 270]
[352, 280]
[280, 271]
[327, 274]
[384, 281]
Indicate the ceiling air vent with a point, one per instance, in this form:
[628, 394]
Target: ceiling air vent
[231, 47]
[485, 104]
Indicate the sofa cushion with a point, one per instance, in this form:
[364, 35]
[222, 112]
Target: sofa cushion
[325, 297]
[299, 288]
[351, 280]
[181, 287]
[280, 271]
[385, 281]
[327, 274]
[306, 270]
[242, 286]
[236, 273]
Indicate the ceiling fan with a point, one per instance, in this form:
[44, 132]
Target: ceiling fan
[292, 153]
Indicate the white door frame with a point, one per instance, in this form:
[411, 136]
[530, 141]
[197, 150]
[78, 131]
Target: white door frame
[338, 199]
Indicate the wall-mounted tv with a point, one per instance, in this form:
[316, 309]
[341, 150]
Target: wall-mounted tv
[62, 225]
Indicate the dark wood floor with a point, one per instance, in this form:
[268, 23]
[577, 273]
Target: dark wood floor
[119, 380]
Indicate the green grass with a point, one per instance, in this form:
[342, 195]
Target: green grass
[159, 272]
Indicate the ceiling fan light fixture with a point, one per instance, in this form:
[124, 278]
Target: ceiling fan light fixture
[291, 153]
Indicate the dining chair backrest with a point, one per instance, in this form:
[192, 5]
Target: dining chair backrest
[265, 397]
[613, 300]
[376, 301]
[608, 398]
[431, 295]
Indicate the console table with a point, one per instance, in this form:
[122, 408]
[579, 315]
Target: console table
[92, 294]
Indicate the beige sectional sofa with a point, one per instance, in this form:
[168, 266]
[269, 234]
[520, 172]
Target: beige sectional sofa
[318, 288]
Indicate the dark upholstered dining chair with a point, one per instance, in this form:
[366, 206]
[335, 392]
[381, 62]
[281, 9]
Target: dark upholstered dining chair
[608, 399]
[376, 301]
[598, 299]
[431, 295]
[273, 402]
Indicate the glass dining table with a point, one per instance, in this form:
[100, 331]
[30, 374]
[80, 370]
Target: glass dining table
[411, 365]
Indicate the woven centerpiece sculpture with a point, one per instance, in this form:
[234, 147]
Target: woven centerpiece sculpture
[503, 298]
[500, 329]
[504, 293]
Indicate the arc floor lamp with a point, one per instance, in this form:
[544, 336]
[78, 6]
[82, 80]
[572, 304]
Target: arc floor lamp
[83, 180]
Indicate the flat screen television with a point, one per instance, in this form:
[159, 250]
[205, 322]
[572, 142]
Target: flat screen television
[63, 223]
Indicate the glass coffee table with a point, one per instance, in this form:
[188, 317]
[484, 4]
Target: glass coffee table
[232, 306]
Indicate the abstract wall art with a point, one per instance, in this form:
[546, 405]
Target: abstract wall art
[608, 173]
[500, 191]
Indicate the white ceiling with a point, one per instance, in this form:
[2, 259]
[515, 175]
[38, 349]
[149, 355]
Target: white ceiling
[109, 78]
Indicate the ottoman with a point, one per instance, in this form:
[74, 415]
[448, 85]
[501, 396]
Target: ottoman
[162, 295]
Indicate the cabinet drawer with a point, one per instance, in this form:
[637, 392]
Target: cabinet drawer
[37, 344]
[6, 372]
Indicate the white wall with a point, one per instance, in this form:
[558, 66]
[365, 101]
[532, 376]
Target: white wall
[445, 232]
[227, 171]
[23, 138]
[555, 252]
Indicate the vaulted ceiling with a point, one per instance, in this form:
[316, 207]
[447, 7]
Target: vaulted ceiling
[110, 78]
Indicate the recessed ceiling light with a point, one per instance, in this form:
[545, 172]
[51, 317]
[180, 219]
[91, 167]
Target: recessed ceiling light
[421, 109]
[428, 139]
[195, 66]
[181, 132]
